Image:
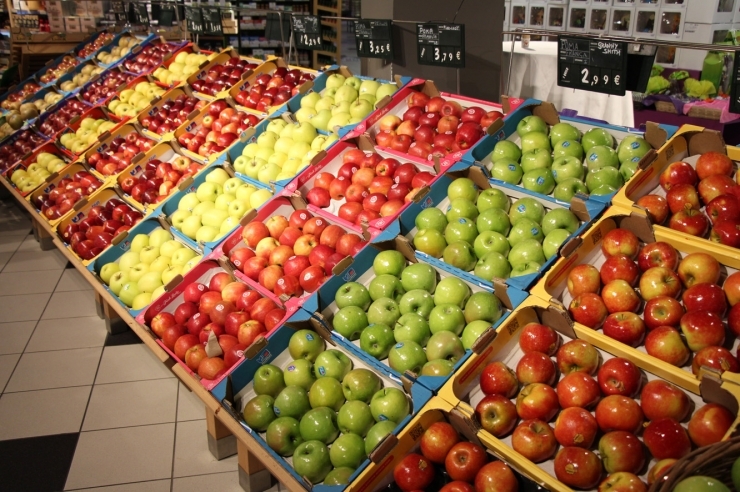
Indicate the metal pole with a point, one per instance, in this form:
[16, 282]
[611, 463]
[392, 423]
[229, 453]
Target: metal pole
[511, 63]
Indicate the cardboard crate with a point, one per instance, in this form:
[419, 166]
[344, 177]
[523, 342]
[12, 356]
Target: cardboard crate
[131, 85]
[480, 154]
[12, 150]
[103, 145]
[552, 287]
[236, 391]
[52, 132]
[587, 211]
[157, 106]
[50, 148]
[362, 272]
[221, 59]
[102, 78]
[464, 391]
[69, 76]
[97, 113]
[187, 48]
[176, 47]
[132, 52]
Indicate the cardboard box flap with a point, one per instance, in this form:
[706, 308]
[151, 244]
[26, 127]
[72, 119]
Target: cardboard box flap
[484, 340]
[494, 127]
[557, 319]
[383, 449]
[579, 209]
[640, 225]
[322, 326]
[467, 426]
[342, 265]
[256, 348]
[655, 135]
[546, 111]
[706, 141]
[712, 391]
[501, 290]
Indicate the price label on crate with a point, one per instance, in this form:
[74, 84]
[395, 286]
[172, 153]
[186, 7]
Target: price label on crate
[373, 38]
[441, 45]
[194, 19]
[163, 13]
[138, 14]
[735, 88]
[592, 65]
[212, 21]
[307, 31]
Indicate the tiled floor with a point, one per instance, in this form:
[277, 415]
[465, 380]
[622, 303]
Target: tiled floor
[81, 410]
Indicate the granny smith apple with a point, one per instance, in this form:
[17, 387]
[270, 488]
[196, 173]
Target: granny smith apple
[483, 306]
[632, 148]
[377, 434]
[451, 290]
[311, 460]
[488, 241]
[523, 230]
[530, 124]
[472, 332]
[563, 131]
[360, 384]
[700, 483]
[407, 356]
[461, 208]
[258, 413]
[292, 402]
[431, 218]
[411, 326]
[384, 311]
[319, 424]
[568, 148]
[419, 276]
[567, 167]
[736, 474]
[350, 321]
[439, 367]
[460, 254]
[386, 286]
[492, 265]
[560, 218]
[417, 301]
[628, 169]
[526, 207]
[462, 188]
[539, 181]
[553, 241]
[568, 188]
[430, 241]
[348, 451]
[284, 435]
[506, 149]
[507, 171]
[355, 417]
[525, 269]
[606, 176]
[299, 373]
[529, 250]
[352, 294]
[390, 262]
[268, 380]
[492, 198]
[305, 344]
[390, 404]
[332, 363]
[447, 317]
[596, 136]
[445, 345]
[461, 229]
[493, 219]
[377, 340]
[326, 392]
[536, 159]
[601, 156]
[338, 476]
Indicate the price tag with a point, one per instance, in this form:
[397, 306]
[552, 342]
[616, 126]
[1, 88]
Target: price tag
[272, 27]
[119, 10]
[735, 88]
[592, 65]
[163, 13]
[441, 45]
[212, 21]
[307, 30]
[138, 14]
[194, 19]
[373, 38]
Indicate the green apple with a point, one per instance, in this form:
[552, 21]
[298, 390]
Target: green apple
[360, 384]
[529, 250]
[447, 317]
[430, 241]
[535, 140]
[439, 367]
[384, 311]
[628, 169]
[319, 424]
[284, 436]
[170, 273]
[539, 181]
[596, 136]
[345, 93]
[523, 230]
[385, 90]
[352, 294]
[159, 236]
[525, 269]
[377, 340]
[416, 301]
[461, 208]
[292, 401]
[632, 148]
[258, 413]
[208, 192]
[736, 474]
[377, 434]
[601, 156]
[407, 356]
[431, 218]
[169, 247]
[348, 451]
[128, 260]
[553, 241]
[492, 198]
[606, 176]
[141, 301]
[107, 272]
[149, 254]
[355, 417]
[493, 219]
[128, 292]
[117, 281]
[462, 229]
[526, 207]
[268, 380]
[299, 373]
[506, 149]
[507, 171]
[305, 344]
[335, 80]
[445, 345]
[472, 332]
[462, 188]
[413, 327]
[567, 167]
[603, 190]
[530, 124]
[139, 242]
[190, 226]
[160, 265]
[326, 392]
[460, 254]
[311, 460]
[181, 256]
[369, 87]
[389, 262]
[536, 159]
[492, 265]
[390, 404]
[451, 290]
[564, 131]
[150, 282]
[386, 286]
[568, 188]
[223, 201]
[419, 276]
[700, 483]
[350, 321]
[483, 306]
[488, 241]
[560, 218]
[332, 363]
[567, 148]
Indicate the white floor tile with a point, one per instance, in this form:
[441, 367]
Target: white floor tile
[67, 333]
[58, 369]
[14, 336]
[7, 365]
[22, 308]
[4, 258]
[223, 482]
[30, 244]
[42, 413]
[16, 283]
[189, 406]
[133, 454]
[72, 280]
[9, 244]
[29, 261]
[130, 363]
[154, 486]
[131, 404]
[191, 452]
[75, 304]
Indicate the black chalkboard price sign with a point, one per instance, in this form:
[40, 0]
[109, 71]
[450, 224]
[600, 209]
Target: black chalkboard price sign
[119, 10]
[138, 14]
[592, 65]
[212, 21]
[307, 31]
[194, 19]
[163, 13]
[441, 45]
[373, 38]
[735, 88]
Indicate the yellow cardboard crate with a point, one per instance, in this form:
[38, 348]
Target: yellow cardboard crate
[221, 59]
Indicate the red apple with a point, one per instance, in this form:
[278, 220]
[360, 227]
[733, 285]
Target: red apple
[678, 173]
[577, 355]
[578, 389]
[413, 472]
[656, 207]
[464, 460]
[537, 401]
[657, 254]
[711, 163]
[617, 412]
[536, 337]
[620, 267]
[620, 241]
[437, 441]
[583, 279]
[588, 309]
[576, 426]
[718, 358]
[665, 343]
[535, 440]
[496, 414]
[619, 376]
[625, 327]
[665, 438]
[498, 379]
[660, 400]
[709, 424]
[683, 197]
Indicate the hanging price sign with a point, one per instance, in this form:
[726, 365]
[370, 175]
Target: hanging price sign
[194, 19]
[119, 10]
[212, 21]
[307, 31]
[163, 13]
[592, 65]
[373, 38]
[441, 45]
[138, 14]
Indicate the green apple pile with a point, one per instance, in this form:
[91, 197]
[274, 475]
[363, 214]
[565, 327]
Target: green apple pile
[485, 233]
[31, 178]
[185, 65]
[82, 78]
[131, 102]
[86, 135]
[321, 411]
[406, 316]
[152, 261]
[281, 151]
[344, 101]
[566, 162]
[117, 52]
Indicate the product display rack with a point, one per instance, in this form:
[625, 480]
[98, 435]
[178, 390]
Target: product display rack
[331, 33]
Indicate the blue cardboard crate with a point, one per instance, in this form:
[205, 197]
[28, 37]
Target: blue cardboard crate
[237, 389]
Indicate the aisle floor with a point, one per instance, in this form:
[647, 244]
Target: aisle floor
[81, 409]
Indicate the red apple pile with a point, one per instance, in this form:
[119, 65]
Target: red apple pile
[218, 129]
[91, 235]
[368, 186]
[59, 119]
[235, 314]
[465, 464]
[95, 44]
[268, 90]
[292, 255]
[596, 408]
[12, 151]
[158, 179]
[68, 191]
[149, 58]
[171, 114]
[434, 127]
[105, 86]
[223, 76]
[61, 68]
[119, 153]
[19, 96]
[685, 308]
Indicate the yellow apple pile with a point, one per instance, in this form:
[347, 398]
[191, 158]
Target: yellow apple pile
[117, 52]
[86, 134]
[133, 101]
[82, 78]
[185, 65]
[32, 177]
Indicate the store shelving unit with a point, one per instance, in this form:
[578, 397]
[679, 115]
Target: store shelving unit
[331, 33]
